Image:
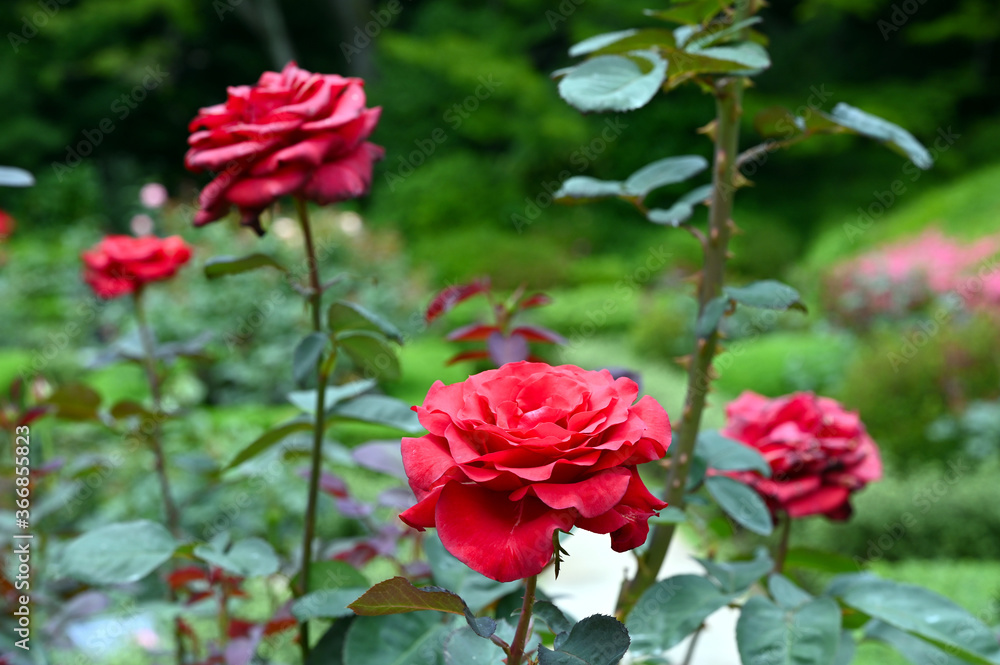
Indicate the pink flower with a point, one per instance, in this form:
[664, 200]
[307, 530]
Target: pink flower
[153, 195]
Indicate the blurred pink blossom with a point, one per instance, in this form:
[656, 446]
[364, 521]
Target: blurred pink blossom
[153, 195]
[141, 225]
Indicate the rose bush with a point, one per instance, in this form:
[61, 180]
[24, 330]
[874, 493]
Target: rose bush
[516, 453]
[294, 133]
[818, 452]
[119, 264]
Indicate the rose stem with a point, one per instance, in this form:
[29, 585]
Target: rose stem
[779, 555]
[521, 634]
[316, 460]
[173, 516]
[692, 645]
[728, 103]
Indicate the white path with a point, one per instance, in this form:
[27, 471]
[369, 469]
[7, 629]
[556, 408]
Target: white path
[589, 581]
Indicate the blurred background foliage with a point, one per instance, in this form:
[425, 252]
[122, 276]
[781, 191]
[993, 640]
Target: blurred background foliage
[477, 202]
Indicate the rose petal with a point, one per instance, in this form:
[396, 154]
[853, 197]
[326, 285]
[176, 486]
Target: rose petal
[502, 539]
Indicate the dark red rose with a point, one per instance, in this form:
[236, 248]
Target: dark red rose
[515, 453]
[819, 453]
[118, 265]
[295, 133]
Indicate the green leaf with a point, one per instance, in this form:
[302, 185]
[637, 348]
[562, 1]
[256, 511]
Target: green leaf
[614, 82]
[128, 408]
[330, 648]
[737, 576]
[735, 57]
[371, 353]
[380, 410]
[552, 616]
[118, 553]
[11, 176]
[691, 12]
[768, 635]
[845, 648]
[397, 595]
[598, 42]
[786, 593]
[923, 613]
[268, 439]
[670, 610]
[711, 315]
[828, 562]
[914, 649]
[724, 454]
[465, 647]
[75, 401]
[326, 603]
[253, 557]
[708, 36]
[631, 40]
[597, 640]
[475, 589]
[741, 503]
[398, 639]
[779, 123]
[333, 574]
[345, 315]
[583, 189]
[306, 356]
[766, 294]
[882, 130]
[221, 266]
[663, 172]
[669, 515]
[332, 396]
[682, 210]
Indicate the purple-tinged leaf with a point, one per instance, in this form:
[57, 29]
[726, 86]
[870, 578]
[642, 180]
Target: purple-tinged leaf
[453, 295]
[354, 509]
[535, 300]
[473, 332]
[399, 498]
[539, 334]
[382, 456]
[329, 483]
[468, 355]
[397, 595]
[505, 350]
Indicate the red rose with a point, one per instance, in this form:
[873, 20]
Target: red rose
[819, 453]
[294, 133]
[118, 265]
[515, 453]
[6, 224]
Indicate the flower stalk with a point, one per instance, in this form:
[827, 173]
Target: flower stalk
[715, 246]
[319, 425]
[521, 633]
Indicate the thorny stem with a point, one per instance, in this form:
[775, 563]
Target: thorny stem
[729, 97]
[521, 634]
[316, 459]
[169, 507]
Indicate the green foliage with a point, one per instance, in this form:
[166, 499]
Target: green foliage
[912, 515]
[901, 389]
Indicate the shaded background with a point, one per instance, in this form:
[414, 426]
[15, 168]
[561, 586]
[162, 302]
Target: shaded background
[450, 210]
